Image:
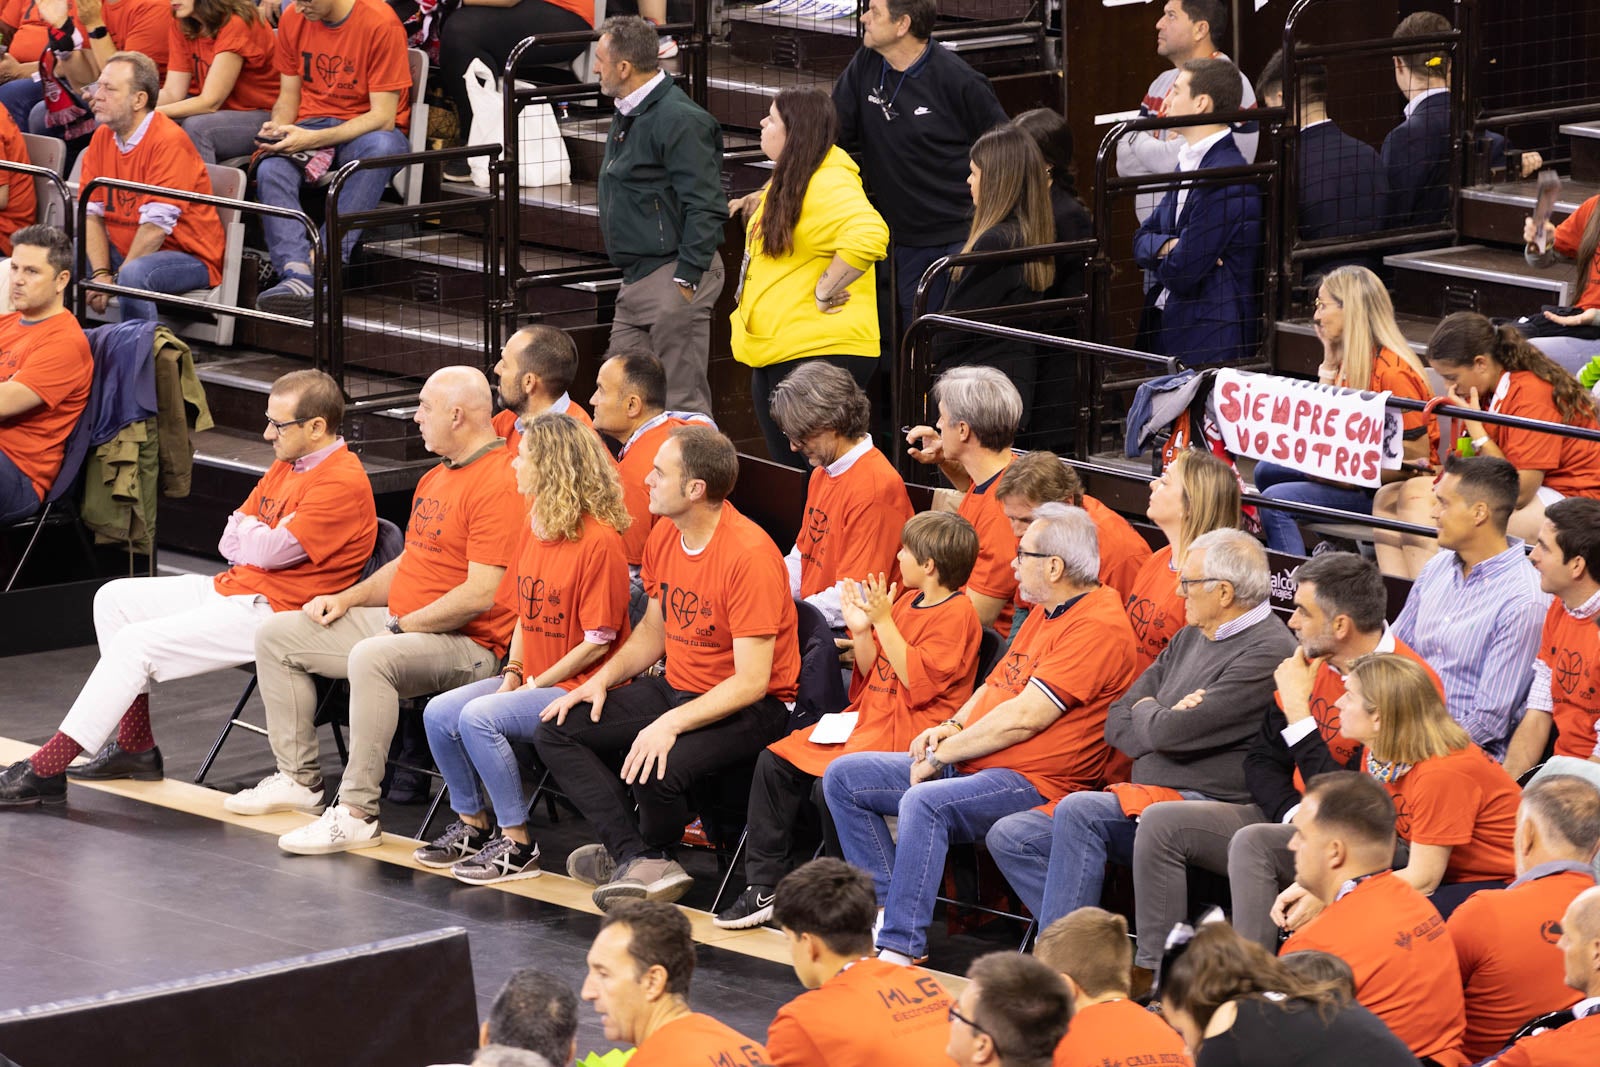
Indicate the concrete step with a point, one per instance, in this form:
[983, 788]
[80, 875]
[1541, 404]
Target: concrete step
[1299, 352]
[1493, 281]
[1494, 213]
[740, 91]
[448, 267]
[1585, 138]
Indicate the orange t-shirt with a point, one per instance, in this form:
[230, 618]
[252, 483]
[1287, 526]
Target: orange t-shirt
[942, 661]
[139, 26]
[505, 424]
[1576, 1044]
[1392, 373]
[32, 32]
[330, 511]
[1510, 966]
[166, 157]
[461, 515]
[51, 357]
[1154, 607]
[581, 8]
[637, 457]
[852, 524]
[736, 586]
[1464, 800]
[1569, 236]
[1123, 551]
[697, 1040]
[20, 202]
[561, 589]
[1403, 958]
[869, 1014]
[993, 574]
[256, 88]
[1050, 652]
[1571, 467]
[339, 67]
[1570, 647]
[1120, 1031]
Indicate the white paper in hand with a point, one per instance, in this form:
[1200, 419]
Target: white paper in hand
[834, 729]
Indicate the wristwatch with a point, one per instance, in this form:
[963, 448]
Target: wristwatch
[99, 33]
[392, 624]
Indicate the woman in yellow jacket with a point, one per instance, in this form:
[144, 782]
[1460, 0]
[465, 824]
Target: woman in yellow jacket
[806, 289]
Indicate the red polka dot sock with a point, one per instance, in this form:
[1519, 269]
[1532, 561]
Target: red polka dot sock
[54, 755]
[133, 733]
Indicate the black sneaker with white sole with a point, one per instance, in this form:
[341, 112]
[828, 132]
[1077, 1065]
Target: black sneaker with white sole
[753, 908]
[458, 842]
[501, 860]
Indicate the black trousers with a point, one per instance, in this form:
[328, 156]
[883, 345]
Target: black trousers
[783, 801]
[763, 380]
[585, 758]
[490, 33]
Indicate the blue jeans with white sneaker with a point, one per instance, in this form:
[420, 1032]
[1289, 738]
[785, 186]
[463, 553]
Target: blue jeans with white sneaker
[470, 731]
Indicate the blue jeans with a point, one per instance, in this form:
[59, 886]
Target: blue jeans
[1057, 863]
[278, 182]
[18, 498]
[470, 731]
[1281, 483]
[863, 787]
[167, 271]
[19, 97]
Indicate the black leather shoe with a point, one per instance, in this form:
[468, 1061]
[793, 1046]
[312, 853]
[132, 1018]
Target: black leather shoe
[112, 762]
[20, 787]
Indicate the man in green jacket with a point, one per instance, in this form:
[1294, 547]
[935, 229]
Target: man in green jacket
[661, 211]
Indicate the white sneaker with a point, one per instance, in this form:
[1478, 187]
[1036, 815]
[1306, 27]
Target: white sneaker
[666, 48]
[276, 792]
[336, 831]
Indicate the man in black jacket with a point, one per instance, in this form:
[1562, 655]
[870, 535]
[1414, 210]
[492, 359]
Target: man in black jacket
[661, 211]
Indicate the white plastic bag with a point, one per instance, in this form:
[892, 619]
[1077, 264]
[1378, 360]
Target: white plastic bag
[541, 153]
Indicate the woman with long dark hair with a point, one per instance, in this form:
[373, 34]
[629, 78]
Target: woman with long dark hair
[221, 78]
[806, 290]
[1053, 137]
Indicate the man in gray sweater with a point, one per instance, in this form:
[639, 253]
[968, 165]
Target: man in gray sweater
[1187, 722]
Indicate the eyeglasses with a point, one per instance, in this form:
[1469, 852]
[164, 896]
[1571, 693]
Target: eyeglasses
[955, 1015]
[281, 426]
[1185, 583]
[1035, 555]
[1335, 305]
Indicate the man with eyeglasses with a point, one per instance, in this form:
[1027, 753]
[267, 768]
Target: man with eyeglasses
[1013, 1013]
[308, 526]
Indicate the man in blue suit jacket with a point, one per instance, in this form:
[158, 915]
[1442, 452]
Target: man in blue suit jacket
[1203, 244]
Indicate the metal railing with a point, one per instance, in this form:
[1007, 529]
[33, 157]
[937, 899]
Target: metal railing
[63, 191]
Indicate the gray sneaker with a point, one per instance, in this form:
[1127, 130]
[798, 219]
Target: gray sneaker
[644, 879]
[458, 842]
[591, 865]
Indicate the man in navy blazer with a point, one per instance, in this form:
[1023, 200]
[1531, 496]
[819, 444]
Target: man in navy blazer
[1203, 244]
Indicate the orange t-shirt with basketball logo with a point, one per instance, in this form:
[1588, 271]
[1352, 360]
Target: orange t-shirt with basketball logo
[1463, 800]
[1571, 467]
[852, 523]
[1570, 647]
[697, 1040]
[1123, 552]
[993, 574]
[1120, 1031]
[941, 662]
[256, 87]
[1154, 607]
[20, 199]
[869, 1014]
[637, 458]
[51, 357]
[330, 511]
[1082, 658]
[339, 67]
[505, 424]
[460, 515]
[736, 586]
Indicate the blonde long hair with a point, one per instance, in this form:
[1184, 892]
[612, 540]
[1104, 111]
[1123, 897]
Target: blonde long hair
[1414, 724]
[565, 473]
[1368, 325]
[1013, 181]
[1210, 496]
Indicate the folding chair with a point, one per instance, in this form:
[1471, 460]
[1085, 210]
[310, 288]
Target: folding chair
[77, 450]
[51, 208]
[408, 180]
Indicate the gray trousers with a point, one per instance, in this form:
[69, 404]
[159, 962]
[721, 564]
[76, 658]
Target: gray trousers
[1260, 866]
[224, 134]
[1172, 837]
[652, 313]
[382, 668]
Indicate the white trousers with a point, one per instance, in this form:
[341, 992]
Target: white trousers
[154, 630]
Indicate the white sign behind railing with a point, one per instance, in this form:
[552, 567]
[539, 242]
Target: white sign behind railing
[1342, 435]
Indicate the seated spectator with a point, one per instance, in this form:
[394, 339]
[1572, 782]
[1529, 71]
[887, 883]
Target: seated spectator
[915, 660]
[1013, 1013]
[721, 614]
[811, 239]
[143, 240]
[534, 1013]
[855, 1013]
[1510, 970]
[1091, 950]
[1454, 806]
[1053, 137]
[423, 622]
[1391, 936]
[1010, 209]
[17, 200]
[45, 369]
[1186, 723]
[308, 524]
[1362, 348]
[1042, 478]
[1033, 732]
[856, 502]
[1495, 369]
[1203, 245]
[316, 128]
[1339, 604]
[639, 970]
[569, 590]
[1565, 695]
[979, 410]
[221, 81]
[1235, 1005]
[535, 370]
[1563, 334]
[1197, 493]
[1475, 612]
[630, 397]
[1578, 1041]
[78, 38]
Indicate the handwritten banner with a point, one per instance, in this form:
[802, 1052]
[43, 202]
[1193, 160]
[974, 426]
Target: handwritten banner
[1342, 435]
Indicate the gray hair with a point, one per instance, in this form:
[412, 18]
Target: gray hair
[633, 40]
[818, 396]
[985, 400]
[146, 76]
[507, 1056]
[1069, 534]
[1235, 557]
